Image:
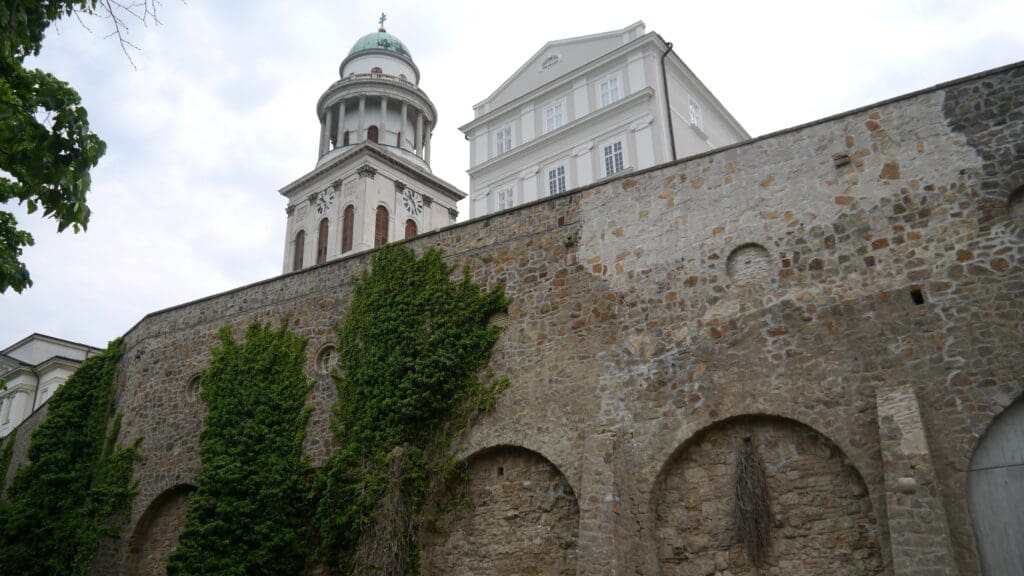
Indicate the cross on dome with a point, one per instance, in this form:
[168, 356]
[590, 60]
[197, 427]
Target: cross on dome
[383, 17]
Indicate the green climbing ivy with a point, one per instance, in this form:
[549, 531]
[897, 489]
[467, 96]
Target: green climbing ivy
[411, 352]
[248, 513]
[5, 458]
[77, 477]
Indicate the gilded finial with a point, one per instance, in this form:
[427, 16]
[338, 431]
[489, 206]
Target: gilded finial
[383, 17]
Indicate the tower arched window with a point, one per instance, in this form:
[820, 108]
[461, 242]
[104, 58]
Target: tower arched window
[398, 140]
[410, 228]
[372, 134]
[321, 242]
[347, 222]
[380, 231]
[344, 139]
[300, 247]
[376, 70]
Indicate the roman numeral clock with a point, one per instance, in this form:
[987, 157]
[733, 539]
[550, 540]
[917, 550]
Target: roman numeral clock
[413, 202]
[324, 199]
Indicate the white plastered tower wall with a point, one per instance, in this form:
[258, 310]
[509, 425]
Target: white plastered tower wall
[373, 156]
[585, 108]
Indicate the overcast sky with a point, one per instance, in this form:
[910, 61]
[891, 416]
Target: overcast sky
[220, 113]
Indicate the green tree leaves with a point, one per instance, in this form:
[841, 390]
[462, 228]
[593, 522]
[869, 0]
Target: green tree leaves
[46, 147]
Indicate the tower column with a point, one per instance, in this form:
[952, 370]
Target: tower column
[405, 118]
[362, 117]
[426, 146]
[328, 124]
[341, 125]
[324, 142]
[419, 132]
[383, 120]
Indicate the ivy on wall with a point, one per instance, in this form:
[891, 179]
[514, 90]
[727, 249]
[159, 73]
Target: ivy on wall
[411, 352]
[5, 458]
[249, 512]
[77, 477]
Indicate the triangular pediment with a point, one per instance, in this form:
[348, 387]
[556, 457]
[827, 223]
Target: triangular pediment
[556, 59]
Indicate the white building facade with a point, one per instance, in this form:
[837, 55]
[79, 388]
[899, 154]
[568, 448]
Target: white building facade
[372, 183]
[32, 370]
[587, 108]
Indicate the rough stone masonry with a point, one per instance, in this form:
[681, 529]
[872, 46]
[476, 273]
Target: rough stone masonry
[847, 294]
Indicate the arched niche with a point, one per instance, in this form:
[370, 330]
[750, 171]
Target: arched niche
[511, 512]
[823, 519]
[156, 534]
[995, 493]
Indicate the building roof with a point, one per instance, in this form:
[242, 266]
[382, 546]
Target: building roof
[381, 40]
[52, 339]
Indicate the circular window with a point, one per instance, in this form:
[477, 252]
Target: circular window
[326, 359]
[1016, 204]
[748, 264]
[499, 319]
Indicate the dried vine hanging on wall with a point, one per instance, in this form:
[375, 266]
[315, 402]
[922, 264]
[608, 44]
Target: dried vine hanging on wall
[752, 511]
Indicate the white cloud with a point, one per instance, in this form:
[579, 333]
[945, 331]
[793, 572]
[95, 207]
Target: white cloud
[220, 114]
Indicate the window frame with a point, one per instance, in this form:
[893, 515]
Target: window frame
[503, 194]
[348, 222]
[553, 169]
[696, 114]
[503, 139]
[561, 118]
[322, 235]
[606, 157]
[381, 226]
[298, 249]
[614, 90]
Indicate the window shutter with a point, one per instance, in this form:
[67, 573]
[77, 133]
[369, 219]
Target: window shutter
[346, 228]
[380, 235]
[321, 242]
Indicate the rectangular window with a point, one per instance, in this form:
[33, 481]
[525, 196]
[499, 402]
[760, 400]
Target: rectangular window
[506, 198]
[554, 116]
[503, 140]
[695, 118]
[556, 180]
[613, 158]
[609, 90]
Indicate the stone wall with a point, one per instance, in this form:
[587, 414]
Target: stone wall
[156, 534]
[514, 514]
[799, 276]
[823, 519]
[23, 438]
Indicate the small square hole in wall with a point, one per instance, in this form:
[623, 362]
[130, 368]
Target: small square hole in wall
[501, 471]
[917, 296]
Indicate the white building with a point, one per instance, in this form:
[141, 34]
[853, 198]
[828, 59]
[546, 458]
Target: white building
[33, 368]
[372, 183]
[582, 109]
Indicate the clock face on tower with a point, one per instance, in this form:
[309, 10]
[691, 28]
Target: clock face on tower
[413, 202]
[324, 199]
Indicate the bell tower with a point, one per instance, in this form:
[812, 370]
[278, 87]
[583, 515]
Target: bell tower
[372, 182]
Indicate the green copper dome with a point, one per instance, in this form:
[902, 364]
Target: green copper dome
[381, 41]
